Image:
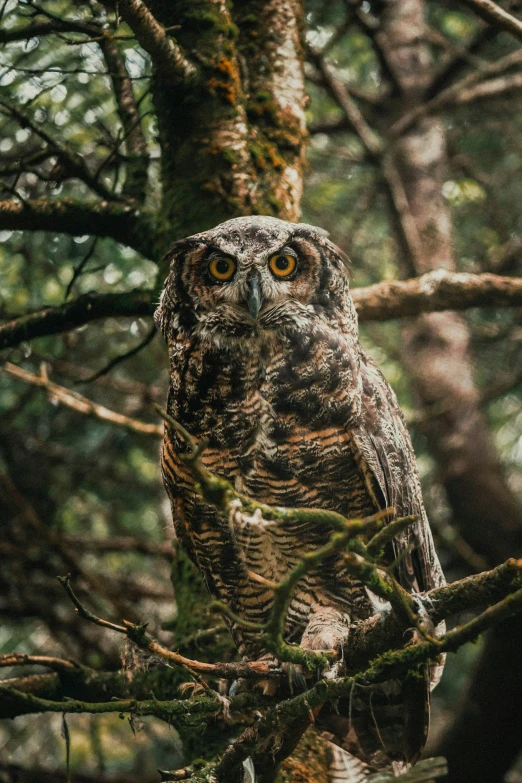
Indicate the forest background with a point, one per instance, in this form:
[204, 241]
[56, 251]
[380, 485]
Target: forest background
[394, 125]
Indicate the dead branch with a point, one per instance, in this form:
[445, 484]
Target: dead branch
[491, 12]
[451, 94]
[137, 634]
[81, 404]
[21, 659]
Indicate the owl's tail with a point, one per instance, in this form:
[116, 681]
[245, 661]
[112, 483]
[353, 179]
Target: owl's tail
[345, 768]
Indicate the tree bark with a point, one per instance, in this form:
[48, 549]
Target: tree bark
[436, 353]
[233, 141]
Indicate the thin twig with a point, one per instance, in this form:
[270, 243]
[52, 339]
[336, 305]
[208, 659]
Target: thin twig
[138, 635]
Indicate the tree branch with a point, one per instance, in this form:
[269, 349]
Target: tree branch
[123, 223]
[48, 27]
[73, 163]
[490, 88]
[491, 12]
[136, 145]
[436, 291]
[432, 292]
[369, 139]
[137, 634]
[166, 55]
[77, 312]
[388, 666]
[451, 94]
[81, 404]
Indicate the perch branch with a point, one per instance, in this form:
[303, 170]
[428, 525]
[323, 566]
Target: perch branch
[389, 665]
[179, 712]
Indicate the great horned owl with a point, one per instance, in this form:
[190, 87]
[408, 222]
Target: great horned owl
[266, 364]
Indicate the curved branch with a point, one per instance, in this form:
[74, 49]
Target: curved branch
[121, 222]
[137, 156]
[491, 12]
[82, 404]
[165, 54]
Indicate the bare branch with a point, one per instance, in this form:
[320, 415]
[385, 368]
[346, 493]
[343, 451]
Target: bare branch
[496, 16]
[436, 291]
[22, 659]
[70, 315]
[81, 404]
[165, 54]
[136, 145]
[369, 139]
[124, 223]
[490, 89]
[451, 94]
[138, 635]
[73, 163]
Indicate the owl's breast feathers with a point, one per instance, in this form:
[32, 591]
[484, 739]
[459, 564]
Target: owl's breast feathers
[301, 418]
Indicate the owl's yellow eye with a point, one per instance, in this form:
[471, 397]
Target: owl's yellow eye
[222, 268]
[282, 265]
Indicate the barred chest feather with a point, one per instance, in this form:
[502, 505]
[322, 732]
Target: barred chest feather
[278, 410]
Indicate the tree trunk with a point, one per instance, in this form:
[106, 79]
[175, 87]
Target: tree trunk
[436, 353]
[233, 143]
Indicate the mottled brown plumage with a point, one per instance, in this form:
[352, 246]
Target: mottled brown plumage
[267, 365]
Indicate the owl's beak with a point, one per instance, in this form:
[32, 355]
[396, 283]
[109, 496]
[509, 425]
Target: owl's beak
[255, 297]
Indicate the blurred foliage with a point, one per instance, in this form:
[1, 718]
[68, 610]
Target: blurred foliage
[84, 477]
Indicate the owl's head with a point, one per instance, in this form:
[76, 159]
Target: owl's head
[251, 274]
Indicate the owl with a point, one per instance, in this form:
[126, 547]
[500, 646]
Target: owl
[266, 365]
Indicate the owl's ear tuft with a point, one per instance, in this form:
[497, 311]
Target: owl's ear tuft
[321, 236]
[162, 311]
[172, 260]
[308, 228]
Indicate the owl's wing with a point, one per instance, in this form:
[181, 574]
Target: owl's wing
[386, 724]
[388, 462]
